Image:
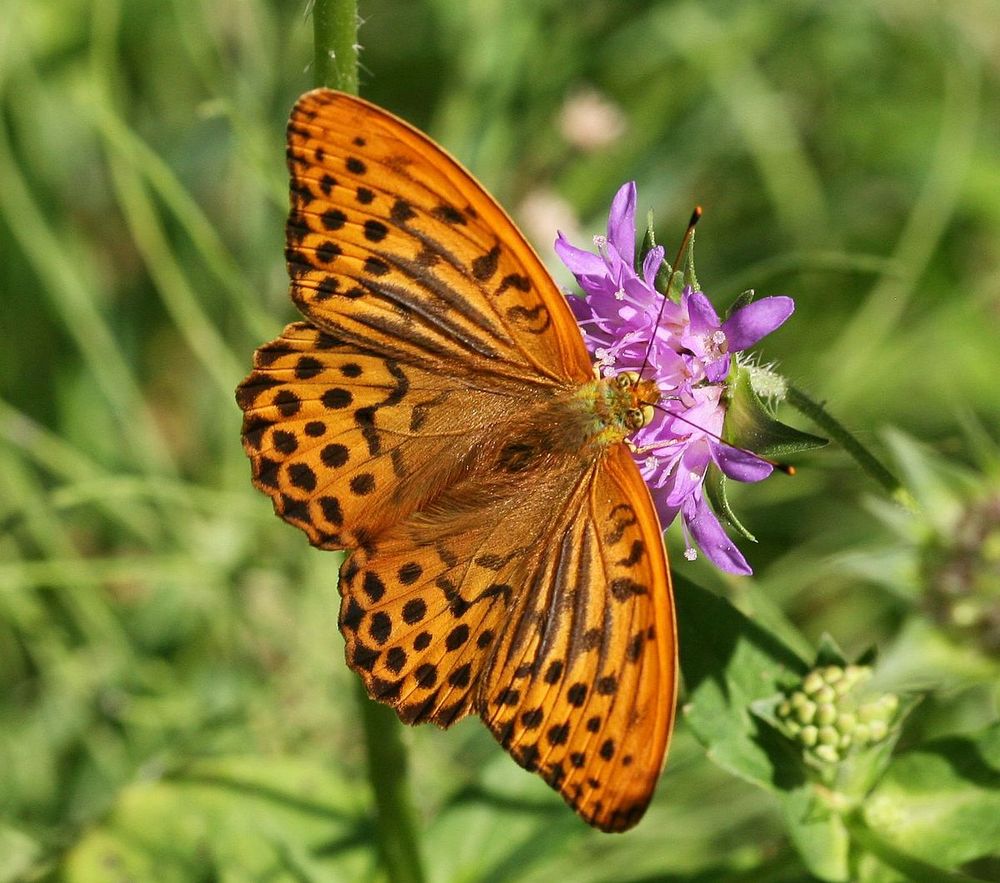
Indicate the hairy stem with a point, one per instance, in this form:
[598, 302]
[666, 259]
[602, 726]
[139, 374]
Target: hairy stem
[335, 32]
[839, 433]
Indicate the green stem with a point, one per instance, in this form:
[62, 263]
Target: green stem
[387, 773]
[335, 30]
[910, 867]
[335, 26]
[822, 418]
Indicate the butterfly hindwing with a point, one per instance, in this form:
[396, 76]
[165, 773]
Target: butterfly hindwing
[393, 244]
[427, 601]
[546, 610]
[582, 684]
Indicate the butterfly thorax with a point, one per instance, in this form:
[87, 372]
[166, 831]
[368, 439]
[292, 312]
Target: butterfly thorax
[612, 408]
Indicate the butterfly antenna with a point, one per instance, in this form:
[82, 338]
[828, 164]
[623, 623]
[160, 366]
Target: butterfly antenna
[695, 217]
[787, 468]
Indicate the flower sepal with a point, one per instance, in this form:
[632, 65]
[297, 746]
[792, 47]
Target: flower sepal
[750, 422]
[715, 490]
[682, 279]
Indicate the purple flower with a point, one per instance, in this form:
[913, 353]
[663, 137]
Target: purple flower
[690, 351]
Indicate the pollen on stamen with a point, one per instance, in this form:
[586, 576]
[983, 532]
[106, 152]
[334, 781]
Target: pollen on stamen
[620, 294]
[691, 554]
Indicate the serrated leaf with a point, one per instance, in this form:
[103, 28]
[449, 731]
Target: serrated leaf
[941, 801]
[715, 489]
[729, 661]
[829, 652]
[749, 425]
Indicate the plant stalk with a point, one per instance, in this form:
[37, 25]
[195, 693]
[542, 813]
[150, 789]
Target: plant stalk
[837, 431]
[335, 31]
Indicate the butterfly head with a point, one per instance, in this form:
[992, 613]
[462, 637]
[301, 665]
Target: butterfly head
[643, 394]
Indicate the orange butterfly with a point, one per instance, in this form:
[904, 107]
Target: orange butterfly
[438, 415]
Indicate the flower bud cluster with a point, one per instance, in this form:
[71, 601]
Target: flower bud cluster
[961, 574]
[826, 716]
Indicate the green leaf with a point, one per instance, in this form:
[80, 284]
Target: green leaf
[829, 652]
[940, 802]
[818, 833]
[729, 661]
[244, 818]
[749, 424]
[18, 852]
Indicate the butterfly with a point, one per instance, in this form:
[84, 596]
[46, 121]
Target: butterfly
[436, 413]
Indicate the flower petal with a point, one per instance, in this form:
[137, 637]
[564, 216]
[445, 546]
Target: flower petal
[621, 222]
[716, 372]
[756, 320]
[579, 262]
[739, 464]
[651, 263]
[702, 313]
[711, 538]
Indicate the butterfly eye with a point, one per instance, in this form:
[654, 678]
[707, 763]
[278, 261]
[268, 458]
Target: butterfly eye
[624, 381]
[636, 419]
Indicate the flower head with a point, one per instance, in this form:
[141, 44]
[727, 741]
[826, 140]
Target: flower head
[687, 349]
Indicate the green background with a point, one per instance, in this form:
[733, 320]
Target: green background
[173, 700]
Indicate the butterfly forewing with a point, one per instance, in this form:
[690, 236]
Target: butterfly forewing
[428, 417]
[347, 442]
[389, 239]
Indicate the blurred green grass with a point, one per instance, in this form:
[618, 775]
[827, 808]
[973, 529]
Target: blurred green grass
[155, 618]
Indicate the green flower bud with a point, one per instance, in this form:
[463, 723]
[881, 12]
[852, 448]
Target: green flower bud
[846, 722]
[806, 712]
[827, 753]
[813, 682]
[832, 674]
[825, 694]
[829, 736]
[960, 570]
[826, 714]
[825, 717]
